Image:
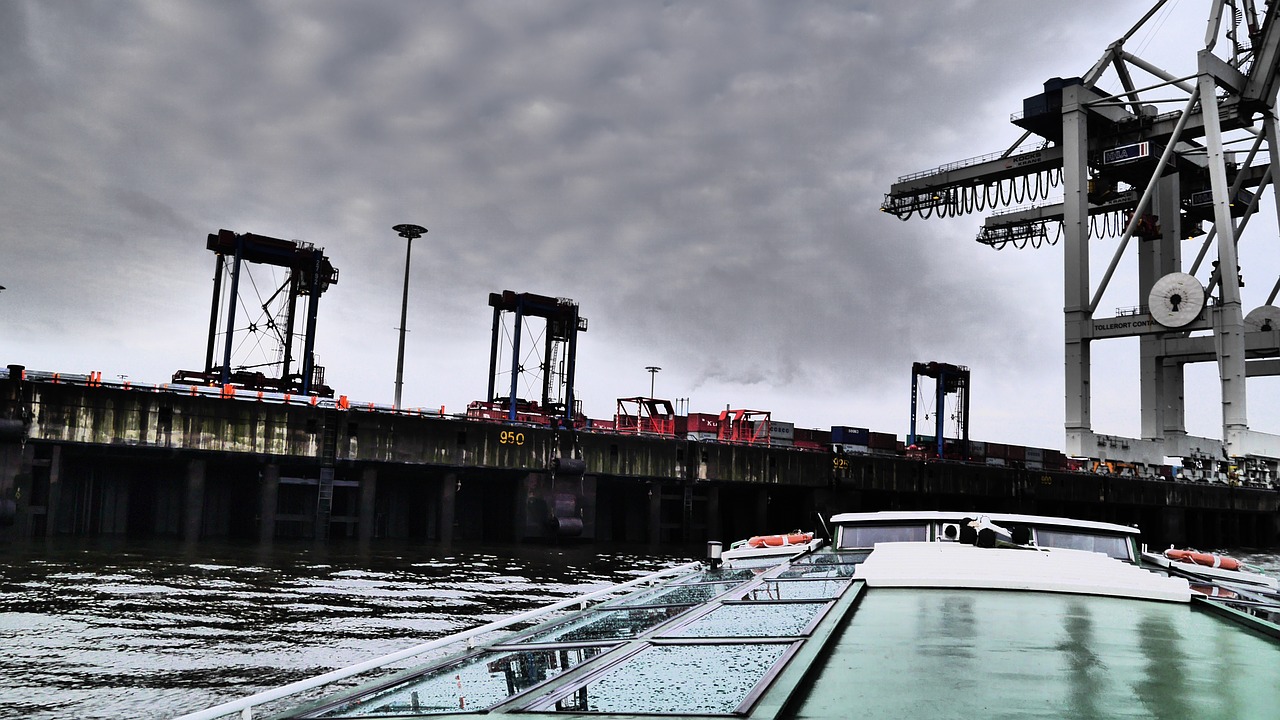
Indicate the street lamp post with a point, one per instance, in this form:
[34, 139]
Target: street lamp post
[653, 372]
[408, 232]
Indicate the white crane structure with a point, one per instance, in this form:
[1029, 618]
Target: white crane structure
[1152, 164]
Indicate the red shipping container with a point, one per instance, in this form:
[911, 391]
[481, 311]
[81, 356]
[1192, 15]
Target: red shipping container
[810, 435]
[882, 441]
[702, 422]
[1017, 452]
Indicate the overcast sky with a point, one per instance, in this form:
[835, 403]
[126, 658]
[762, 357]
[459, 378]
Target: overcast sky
[703, 178]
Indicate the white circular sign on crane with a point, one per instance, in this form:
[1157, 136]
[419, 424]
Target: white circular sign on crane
[1265, 318]
[1176, 299]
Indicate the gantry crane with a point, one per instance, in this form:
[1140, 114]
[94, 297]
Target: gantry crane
[1131, 169]
[948, 380]
[309, 275]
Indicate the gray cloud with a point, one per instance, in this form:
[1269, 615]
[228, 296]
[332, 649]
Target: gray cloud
[703, 178]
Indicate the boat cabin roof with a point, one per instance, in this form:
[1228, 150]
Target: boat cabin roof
[929, 516]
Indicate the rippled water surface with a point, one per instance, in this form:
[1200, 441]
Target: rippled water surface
[97, 629]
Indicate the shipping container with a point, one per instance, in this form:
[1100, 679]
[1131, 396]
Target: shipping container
[1017, 452]
[882, 441]
[993, 461]
[810, 435]
[600, 425]
[811, 445]
[844, 435]
[1035, 454]
[698, 423]
[850, 449]
[701, 436]
[779, 430]
[997, 450]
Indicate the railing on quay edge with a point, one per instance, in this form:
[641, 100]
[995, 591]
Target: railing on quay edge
[229, 392]
[246, 705]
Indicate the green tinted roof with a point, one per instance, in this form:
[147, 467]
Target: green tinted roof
[1000, 654]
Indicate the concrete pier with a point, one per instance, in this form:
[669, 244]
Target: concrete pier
[91, 460]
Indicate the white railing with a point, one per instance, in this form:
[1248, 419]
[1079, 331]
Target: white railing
[245, 706]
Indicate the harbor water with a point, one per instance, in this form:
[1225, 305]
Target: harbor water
[115, 629]
[102, 629]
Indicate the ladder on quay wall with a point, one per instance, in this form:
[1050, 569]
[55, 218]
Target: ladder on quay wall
[328, 458]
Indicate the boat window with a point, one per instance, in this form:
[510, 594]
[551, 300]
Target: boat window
[605, 625]
[473, 683]
[865, 536]
[1113, 545]
[711, 679]
[786, 619]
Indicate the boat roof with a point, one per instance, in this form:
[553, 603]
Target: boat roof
[892, 516]
[899, 629]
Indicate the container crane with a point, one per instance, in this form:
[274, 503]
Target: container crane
[1128, 170]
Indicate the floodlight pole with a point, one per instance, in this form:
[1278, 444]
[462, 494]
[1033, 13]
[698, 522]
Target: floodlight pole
[653, 371]
[408, 232]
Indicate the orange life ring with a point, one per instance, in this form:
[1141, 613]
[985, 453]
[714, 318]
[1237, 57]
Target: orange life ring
[760, 541]
[1205, 559]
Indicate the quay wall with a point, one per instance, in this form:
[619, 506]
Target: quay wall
[191, 463]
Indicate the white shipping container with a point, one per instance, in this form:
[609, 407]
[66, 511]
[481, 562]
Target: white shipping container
[995, 461]
[782, 430]
[854, 449]
[702, 436]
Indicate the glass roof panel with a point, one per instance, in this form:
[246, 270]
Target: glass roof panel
[721, 574]
[818, 571]
[752, 620]
[678, 680]
[674, 595]
[604, 625]
[796, 590]
[472, 684]
[829, 557]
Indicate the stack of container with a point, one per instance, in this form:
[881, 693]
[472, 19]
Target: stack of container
[850, 439]
[782, 434]
[698, 426]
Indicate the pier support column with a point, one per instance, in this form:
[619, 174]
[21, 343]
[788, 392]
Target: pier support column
[1174, 523]
[368, 493]
[655, 514]
[448, 506]
[193, 507]
[268, 502]
[55, 491]
[714, 529]
[761, 512]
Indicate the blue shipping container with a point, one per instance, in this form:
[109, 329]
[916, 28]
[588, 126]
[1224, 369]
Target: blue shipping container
[842, 435]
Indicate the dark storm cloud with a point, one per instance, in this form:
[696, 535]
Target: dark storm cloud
[703, 178]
